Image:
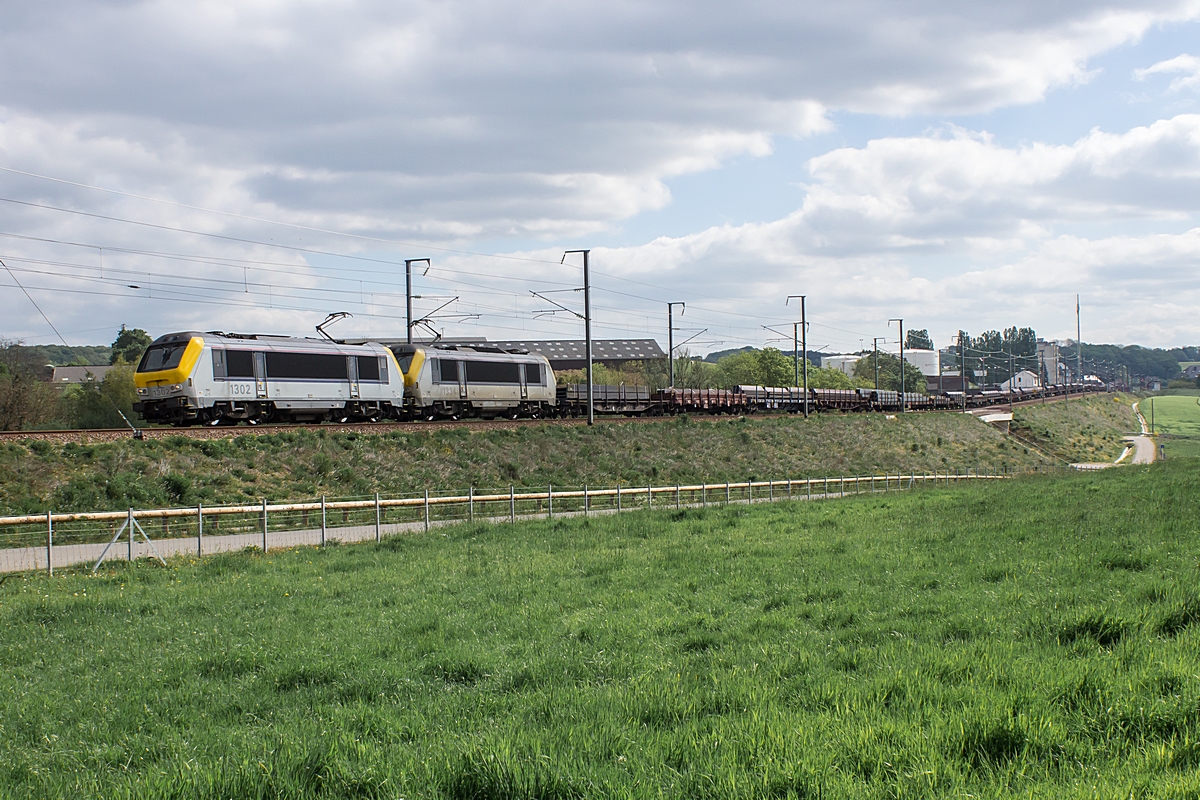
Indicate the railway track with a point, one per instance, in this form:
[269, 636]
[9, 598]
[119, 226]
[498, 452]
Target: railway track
[95, 435]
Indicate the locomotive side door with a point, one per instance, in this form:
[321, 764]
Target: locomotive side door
[352, 374]
[524, 383]
[461, 366]
[260, 374]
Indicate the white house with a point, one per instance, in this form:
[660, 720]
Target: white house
[1022, 380]
[924, 360]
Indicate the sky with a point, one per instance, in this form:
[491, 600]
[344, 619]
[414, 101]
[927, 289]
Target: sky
[252, 166]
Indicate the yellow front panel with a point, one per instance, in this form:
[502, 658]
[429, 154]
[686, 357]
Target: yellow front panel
[166, 377]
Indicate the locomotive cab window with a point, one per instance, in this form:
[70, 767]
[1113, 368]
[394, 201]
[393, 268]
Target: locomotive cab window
[162, 356]
[533, 374]
[404, 356]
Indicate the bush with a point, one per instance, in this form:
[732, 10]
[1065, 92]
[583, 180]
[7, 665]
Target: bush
[101, 405]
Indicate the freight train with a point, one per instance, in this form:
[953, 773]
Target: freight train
[218, 378]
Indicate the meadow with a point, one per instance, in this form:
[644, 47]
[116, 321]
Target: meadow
[1037, 637]
[1177, 421]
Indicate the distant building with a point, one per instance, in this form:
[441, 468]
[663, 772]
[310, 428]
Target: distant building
[75, 376]
[572, 353]
[1022, 380]
[924, 360]
[1050, 364]
[842, 363]
[1192, 372]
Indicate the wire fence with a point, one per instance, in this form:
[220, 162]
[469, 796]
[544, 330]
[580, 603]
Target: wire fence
[49, 540]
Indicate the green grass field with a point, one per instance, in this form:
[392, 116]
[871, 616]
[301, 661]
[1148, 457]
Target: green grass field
[39, 476]
[1035, 638]
[1177, 421]
[1082, 430]
[1177, 415]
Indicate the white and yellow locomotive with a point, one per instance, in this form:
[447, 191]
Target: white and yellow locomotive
[455, 381]
[220, 378]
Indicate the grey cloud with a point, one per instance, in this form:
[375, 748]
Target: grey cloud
[437, 89]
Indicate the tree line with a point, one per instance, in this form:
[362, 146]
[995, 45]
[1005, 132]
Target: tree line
[28, 399]
[751, 367]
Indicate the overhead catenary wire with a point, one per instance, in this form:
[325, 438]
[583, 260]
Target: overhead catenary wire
[35, 305]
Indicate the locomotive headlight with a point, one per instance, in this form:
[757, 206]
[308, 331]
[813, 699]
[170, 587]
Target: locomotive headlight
[177, 387]
[143, 391]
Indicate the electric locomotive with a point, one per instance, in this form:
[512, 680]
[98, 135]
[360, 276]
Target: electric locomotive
[220, 378]
[475, 380]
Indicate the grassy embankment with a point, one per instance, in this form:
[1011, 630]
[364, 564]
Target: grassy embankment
[1080, 430]
[1036, 638]
[35, 476]
[1177, 423]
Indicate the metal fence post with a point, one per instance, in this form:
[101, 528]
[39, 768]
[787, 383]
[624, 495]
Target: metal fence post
[649, 495]
[704, 495]
[586, 505]
[749, 491]
[771, 490]
[471, 504]
[618, 497]
[199, 529]
[726, 491]
[322, 520]
[264, 524]
[789, 488]
[131, 535]
[378, 521]
[677, 495]
[808, 488]
[550, 501]
[50, 543]
[427, 511]
[512, 504]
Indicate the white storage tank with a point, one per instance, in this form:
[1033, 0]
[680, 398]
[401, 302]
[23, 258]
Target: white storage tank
[924, 360]
[842, 363]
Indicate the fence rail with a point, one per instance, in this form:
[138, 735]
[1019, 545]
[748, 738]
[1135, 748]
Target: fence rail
[32, 541]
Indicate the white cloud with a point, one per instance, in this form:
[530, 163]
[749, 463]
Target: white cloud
[957, 230]
[436, 115]
[456, 123]
[1184, 63]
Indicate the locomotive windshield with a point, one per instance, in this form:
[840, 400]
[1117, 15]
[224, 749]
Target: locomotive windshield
[162, 356]
[404, 356]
